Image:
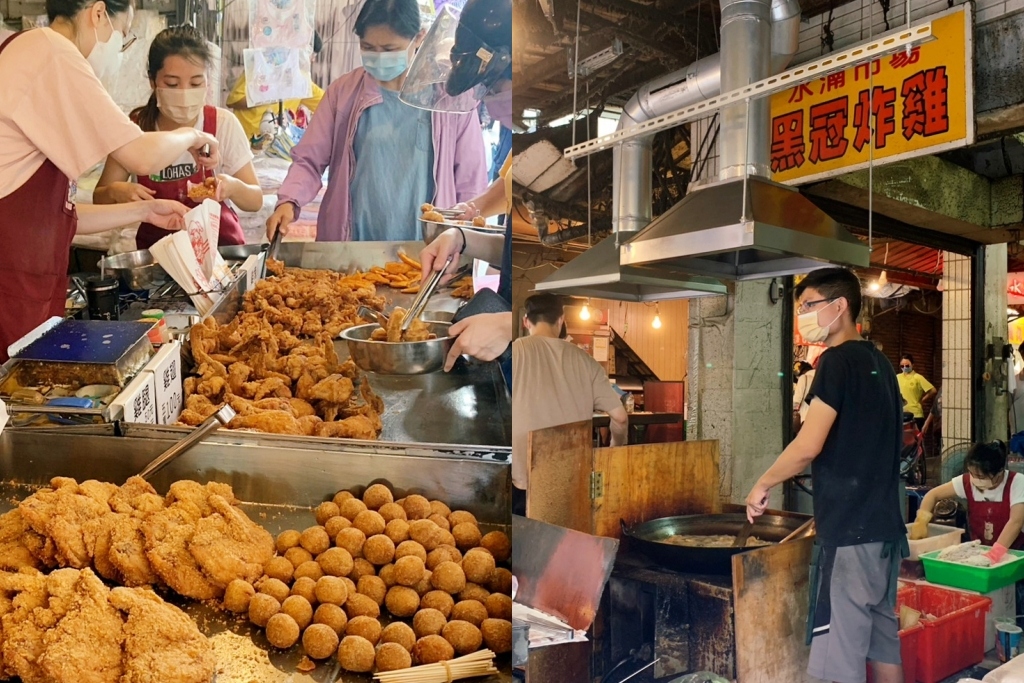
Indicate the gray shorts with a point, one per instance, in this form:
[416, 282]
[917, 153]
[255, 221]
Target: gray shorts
[855, 620]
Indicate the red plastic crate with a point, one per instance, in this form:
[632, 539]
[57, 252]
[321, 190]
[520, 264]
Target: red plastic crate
[955, 639]
[909, 639]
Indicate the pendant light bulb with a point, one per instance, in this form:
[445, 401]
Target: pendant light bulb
[656, 323]
[585, 313]
[874, 286]
[883, 280]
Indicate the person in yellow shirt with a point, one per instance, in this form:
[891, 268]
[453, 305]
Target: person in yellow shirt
[915, 389]
[252, 117]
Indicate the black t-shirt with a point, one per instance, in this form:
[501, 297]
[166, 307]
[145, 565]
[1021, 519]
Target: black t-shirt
[857, 475]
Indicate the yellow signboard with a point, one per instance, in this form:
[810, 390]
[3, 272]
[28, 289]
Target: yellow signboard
[919, 102]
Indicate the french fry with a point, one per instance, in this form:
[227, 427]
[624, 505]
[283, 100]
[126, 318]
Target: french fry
[397, 268]
[411, 290]
[410, 261]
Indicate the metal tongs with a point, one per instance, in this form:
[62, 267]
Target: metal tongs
[275, 244]
[448, 213]
[420, 302]
[212, 423]
[367, 313]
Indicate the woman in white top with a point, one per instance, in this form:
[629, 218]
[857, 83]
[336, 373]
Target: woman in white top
[56, 122]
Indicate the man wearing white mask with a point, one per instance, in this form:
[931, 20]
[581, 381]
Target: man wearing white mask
[851, 438]
[56, 122]
[179, 58]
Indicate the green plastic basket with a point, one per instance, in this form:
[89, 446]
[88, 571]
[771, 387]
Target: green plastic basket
[978, 579]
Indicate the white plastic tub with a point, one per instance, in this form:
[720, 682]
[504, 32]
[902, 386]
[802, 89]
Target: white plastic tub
[939, 537]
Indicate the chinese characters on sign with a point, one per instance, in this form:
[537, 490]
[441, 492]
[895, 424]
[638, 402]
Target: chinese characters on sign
[909, 103]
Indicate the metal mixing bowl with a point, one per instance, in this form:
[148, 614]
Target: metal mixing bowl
[136, 269]
[431, 230]
[398, 358]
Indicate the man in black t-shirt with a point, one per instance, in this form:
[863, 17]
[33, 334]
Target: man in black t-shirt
[851, 438]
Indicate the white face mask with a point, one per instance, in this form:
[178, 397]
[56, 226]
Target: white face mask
[181, 106]
[810, 330]
[105, 58]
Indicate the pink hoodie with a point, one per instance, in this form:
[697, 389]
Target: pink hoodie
[460, 167]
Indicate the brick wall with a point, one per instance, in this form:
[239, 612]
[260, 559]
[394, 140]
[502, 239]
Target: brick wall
[911, 332]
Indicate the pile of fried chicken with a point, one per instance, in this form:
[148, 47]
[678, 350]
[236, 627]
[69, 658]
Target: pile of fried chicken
[68, 627]
[195, 540]
[275, 363]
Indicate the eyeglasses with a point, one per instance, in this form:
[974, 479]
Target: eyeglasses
[808, 305]
[128, 42]
[904, 366]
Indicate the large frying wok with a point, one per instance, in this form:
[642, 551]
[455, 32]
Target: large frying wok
[649, 537]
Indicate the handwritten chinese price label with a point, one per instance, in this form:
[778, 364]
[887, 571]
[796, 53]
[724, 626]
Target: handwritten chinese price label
[907, 104]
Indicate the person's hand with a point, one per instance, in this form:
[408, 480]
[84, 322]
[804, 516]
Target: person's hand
[281, 219]
[919, 530]
[226, 187]
[166, 214]
[124, 193]
[997, 553]
[467, 211]
[484, 337]
[202, 140]
[757, 501]
[436, 254]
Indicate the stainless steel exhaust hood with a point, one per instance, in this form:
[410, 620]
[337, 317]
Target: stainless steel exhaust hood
[596, 272]
[714, 233]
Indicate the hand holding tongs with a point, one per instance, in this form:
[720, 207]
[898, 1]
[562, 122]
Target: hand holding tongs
[212, 423]
[275, 243]
[420, 302]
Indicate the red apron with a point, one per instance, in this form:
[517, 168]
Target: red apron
[37, 223]
[987, 519]
[177, 189]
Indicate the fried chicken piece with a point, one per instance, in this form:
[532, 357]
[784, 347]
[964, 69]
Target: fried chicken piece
[61, 514]
[275, 267]
[308, 424]
[127, 552]
[14, 554]
[228, 545]
[357, 427]
[212, 387]
[85, 646]
[274, 387]
[349, 369]
[271, 422]
[190, 418]
[238, 374]
[41, 602]
[379, 334]
[189, 385]
[301, 408]
[418, 331]
[366, 411]
[194, 497]
[372, 399]
[168, 534]
[334, 389]
[97, 532]
[136, 497]
[161, 643]
[201, 405]
[395, 324]
[41, 547]
[304, 386]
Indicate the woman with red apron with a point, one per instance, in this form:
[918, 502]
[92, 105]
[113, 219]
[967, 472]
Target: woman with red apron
[179, 58]
[56, 122]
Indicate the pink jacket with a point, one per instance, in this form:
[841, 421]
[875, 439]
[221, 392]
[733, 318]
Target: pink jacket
[460, 167]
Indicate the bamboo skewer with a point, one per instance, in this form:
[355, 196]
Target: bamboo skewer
[479, 663]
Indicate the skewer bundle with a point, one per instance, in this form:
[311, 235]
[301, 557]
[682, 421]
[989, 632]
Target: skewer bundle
[470, 666]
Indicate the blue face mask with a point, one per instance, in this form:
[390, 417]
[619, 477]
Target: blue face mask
[386, 66]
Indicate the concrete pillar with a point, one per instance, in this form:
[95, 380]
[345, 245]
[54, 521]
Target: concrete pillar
[736, 363]
[957, 388]
[995, 420]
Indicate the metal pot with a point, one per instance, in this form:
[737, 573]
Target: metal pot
[649, 538]
[136, 269]
[430, 230]
[398, 358]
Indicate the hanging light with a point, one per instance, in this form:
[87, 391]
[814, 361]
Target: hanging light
[883, 280]
[585, 313]
[941, 286]
[656, 323]
[874, 286]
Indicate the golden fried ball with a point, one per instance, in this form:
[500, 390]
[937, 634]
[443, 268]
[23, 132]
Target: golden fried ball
[407, 548]
[364, 627]
[315, 540]
[392, 511]
[282, 631]
[298, 556]
[440, 601]
[387, 575]
[426, 533]
[432, 649]
[402, 601]
[261, 608]
[393, 657]
[310, 570]
[439, 508]
[479, 566]
[474, 591]
[335, 525]
[287, 539]
[497, 635]
[331, 615]
[279, 568]
[341, 496]
[472, 611]
[501, 581]
[464, 637]
[449, 577]
[397, 530]
[299, 609]
[446, 538]
[499, 606]
[361, 568]
[350, 584]
[237, 596]
[331, 590]
[320, 641]
[377, 496]
[462, 517]
[335, 562]
[359, 605]
[409, 570]
[275, 588]
[467, 535]
[356, 654]
[399, 633]
[373, 587]
[351, 540]
[416, 507]
[324, 511]
[425, 585]
[443, 553]
[305, 587]
[369, 522]
[441, 521]
[499, 545]
[379, 550]
[428, 622]
[351, 508]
